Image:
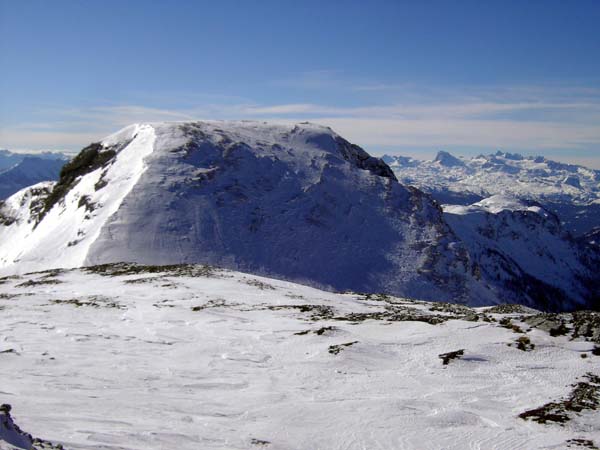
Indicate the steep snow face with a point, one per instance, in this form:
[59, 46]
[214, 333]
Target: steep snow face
[64, 236]
[571, 191]
[519, 244]
[295, 202]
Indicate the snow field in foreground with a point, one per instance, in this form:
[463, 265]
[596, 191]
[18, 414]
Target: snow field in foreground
[226, 360]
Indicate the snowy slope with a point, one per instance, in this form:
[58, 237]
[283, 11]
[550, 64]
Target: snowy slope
[193, 358]
[521, 244]
[67, 231]
[571, 191]
[295, 202]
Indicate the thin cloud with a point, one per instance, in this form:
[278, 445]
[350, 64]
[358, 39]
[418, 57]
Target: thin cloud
[512, 118]
[481, 133]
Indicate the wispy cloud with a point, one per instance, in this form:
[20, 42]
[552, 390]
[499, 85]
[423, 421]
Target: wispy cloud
[536, 119]
[472, 133]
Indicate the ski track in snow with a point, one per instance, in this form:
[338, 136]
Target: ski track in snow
[134, 367]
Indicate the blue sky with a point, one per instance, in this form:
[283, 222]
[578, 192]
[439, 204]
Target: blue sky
[399, 77]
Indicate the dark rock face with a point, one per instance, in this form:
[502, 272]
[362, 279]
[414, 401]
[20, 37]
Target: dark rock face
[11, 434]
[89, 159]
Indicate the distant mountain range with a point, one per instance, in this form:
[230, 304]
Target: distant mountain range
[303, 204]
[19, 170]
[570, 191]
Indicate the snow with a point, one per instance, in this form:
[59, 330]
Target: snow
[64, 236]
[295, 202]
[298, 202]
[196, 357]
[136, 367]
[10, 437]
[502, 230]
[571, 191]
[494, 205]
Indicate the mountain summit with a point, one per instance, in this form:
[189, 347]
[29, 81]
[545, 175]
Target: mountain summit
[295, 202]
[448, 160]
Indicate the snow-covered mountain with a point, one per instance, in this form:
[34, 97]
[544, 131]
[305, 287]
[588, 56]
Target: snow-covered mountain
[571, 191]
[192, 357]
[9, 159]
[291, 202]
[522, 245]
[296, 202]
[28, 171]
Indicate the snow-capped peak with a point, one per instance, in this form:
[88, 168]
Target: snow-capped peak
[570, 191]
[448, 160]
[292, 201]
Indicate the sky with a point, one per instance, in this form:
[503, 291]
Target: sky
[396, 77]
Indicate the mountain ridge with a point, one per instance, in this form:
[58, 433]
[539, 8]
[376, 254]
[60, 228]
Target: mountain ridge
[248, 196]
[19, 170]
[571, 191]
[29, 171]
[295, 202]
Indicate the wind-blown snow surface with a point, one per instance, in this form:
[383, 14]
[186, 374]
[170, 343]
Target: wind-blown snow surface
[295, 202]
[571, 191]
[197, 358]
